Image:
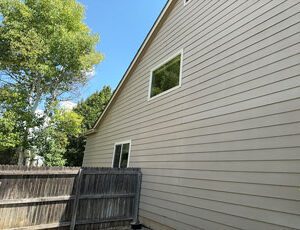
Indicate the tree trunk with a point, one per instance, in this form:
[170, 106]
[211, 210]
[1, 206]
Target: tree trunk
[22, 150]
[20, 153]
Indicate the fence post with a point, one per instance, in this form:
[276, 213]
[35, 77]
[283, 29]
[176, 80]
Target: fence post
[136, 224]
[76, 200]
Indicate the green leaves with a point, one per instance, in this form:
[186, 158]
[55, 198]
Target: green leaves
[46, 39]
[45, 52]
[67, 122]
[51, 140]
[93, 106]
[90, 109]
[9, 137]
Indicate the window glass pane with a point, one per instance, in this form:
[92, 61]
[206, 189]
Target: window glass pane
[117, 156]
[166, 76]
[124, 157]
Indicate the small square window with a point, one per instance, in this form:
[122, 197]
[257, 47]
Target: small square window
[166, 76]
[121, 155]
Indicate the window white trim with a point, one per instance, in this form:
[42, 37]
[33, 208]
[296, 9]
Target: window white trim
[159, 65]
[129, 151]
[185, 2]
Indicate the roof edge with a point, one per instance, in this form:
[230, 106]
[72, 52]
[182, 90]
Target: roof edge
[132, 64]
[89, 132]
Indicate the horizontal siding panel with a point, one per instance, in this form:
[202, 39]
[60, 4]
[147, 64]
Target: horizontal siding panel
[243, 64]
[201, 128]
[261, 36]
[264, 112]
[263, 132]
[256, 12]
[190, 130]
[204, 112]
[213, 104]
[149, 211]
[190, 221]
[266, 203]
[233, 220]
[282, 15]
[225, 85]
[207, 16]
[268, 154]
[264, 190]
[168, 221]
[246, 155]
[219, 91]
[209, 19]
[292, 166]
[287, 153]
[245, 104]
[231, 145]
[272, 142]
[203, 83]
[284, 179]
[281, 179]
[182, 203]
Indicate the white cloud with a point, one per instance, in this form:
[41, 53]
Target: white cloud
[68, 105]
[91, 73]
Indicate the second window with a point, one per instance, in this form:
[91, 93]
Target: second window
[121, 155]
[166, 76]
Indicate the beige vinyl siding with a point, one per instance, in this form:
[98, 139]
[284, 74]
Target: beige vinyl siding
[223, 150]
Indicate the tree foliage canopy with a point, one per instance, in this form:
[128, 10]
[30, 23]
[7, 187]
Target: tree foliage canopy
[46, 52]
[9, 137]
[90, 109]
[45, 48]
[45, 41]
[93, 106]
[51, 141]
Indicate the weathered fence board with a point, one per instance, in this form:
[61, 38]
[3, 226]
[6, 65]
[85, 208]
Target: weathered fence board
[68, 198]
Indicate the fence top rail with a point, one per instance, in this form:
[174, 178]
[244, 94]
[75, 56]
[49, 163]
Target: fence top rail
[111, 169]
[35, 168]
[24, 170]
[94, 170]
[36, 173]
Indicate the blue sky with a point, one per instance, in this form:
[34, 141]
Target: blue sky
[122, 26]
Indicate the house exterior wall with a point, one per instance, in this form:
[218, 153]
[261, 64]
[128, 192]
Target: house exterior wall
[223, 150]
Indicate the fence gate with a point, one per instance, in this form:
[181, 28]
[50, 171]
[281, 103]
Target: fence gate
[68, 198]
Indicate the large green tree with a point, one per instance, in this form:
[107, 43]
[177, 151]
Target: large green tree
[46, 52]
[90, 109]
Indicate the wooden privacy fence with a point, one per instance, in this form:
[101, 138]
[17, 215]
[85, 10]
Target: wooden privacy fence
[68, 198]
